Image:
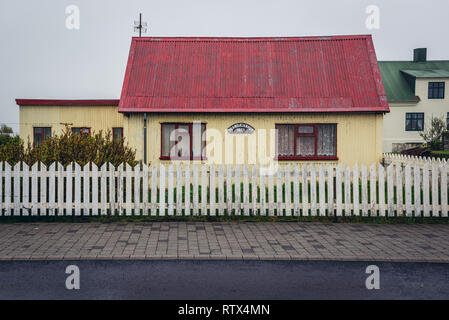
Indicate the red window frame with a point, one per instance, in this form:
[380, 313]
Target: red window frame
[41, 133]
[314, 134]
[116, 128]
[189, 124]
[81, 129]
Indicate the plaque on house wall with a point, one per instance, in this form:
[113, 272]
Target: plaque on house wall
[241, 128]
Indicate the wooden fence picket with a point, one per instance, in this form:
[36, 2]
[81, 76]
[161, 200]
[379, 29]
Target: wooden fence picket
[112, 189]
[68, 190]
[288, 190]
[137, 198]
[399, 191]
[237, 191]
[381, 199]
[204, 187]
[212, 189]
[305, 190]
[338, 190]
[16, 190]
[355, 190]
[1, 187]
[86, 189]
[77, 190]
[25, 189]
[296, 206]
[443, 188]
[178, 190]
[162, 179]
[364, 194]
[271, 194]
[373, 190]
[154, 187]
[330, 190]
[245, 190]
[390, 190]
[95, 190]
[43, 190]
[103, 187]
[61, 175]
[170, 190]
[313, 195]
[347, 188]
[128, 190]
[221, 197]
[187, 192]
[417, 190]
[195, 190]
[426, 190]
[145, 190]
[279, 177]
[228, 190]
[254, 191]
[408, 190]
[262, 194]
[435, 193]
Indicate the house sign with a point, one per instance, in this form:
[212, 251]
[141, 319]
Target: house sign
[241, 128]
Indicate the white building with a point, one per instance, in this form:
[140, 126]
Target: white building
[416, 91]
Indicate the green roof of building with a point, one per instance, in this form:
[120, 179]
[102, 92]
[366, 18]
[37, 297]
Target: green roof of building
[395, 82]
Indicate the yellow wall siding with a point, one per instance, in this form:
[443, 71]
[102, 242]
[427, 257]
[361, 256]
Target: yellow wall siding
[97, 118]
[359, 136]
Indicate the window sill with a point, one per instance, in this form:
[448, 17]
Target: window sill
[182, 159]
[306, 158]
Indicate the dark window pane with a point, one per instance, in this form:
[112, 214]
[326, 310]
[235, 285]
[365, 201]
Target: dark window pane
[436, 90]
[117, 134]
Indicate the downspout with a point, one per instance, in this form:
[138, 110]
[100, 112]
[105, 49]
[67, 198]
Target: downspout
[145, 138]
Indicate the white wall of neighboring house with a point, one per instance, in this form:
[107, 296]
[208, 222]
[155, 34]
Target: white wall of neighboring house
[394, 122]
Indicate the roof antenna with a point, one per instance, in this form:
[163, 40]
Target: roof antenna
[139, 25]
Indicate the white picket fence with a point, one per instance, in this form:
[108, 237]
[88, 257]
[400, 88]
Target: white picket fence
[223, 190]
[404, 160]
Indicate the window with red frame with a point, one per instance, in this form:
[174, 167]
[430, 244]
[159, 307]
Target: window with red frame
[40, 134]
[183, 141]
[80, 130]
[306, 141]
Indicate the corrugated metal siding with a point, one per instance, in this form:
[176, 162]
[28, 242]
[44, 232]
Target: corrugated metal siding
[253, 74]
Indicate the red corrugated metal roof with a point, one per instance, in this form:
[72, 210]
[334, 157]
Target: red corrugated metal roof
[54, 102]
[307, 74]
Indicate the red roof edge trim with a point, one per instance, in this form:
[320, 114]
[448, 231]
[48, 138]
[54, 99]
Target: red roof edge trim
[256, 110]
[127, 74]
[64, 102]
[377, 75]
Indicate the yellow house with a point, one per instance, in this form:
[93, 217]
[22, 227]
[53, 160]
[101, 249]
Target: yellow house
[235, 100]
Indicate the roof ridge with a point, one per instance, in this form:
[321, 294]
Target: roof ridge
[242, 39]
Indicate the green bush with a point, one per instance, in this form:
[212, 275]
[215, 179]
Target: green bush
[68, 147]
[440, 154]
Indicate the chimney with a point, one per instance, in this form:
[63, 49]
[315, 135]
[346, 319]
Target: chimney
[420, 55]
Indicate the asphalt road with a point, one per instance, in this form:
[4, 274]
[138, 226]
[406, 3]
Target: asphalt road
[201, 279]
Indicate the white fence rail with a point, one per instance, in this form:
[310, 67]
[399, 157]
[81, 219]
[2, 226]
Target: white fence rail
[172, 190]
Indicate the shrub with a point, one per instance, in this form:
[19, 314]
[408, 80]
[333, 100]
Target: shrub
[433, 135]
[68, 147]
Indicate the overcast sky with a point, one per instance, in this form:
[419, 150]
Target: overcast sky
[41, 58]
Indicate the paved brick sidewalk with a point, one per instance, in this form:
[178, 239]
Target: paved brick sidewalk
[225, 240]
